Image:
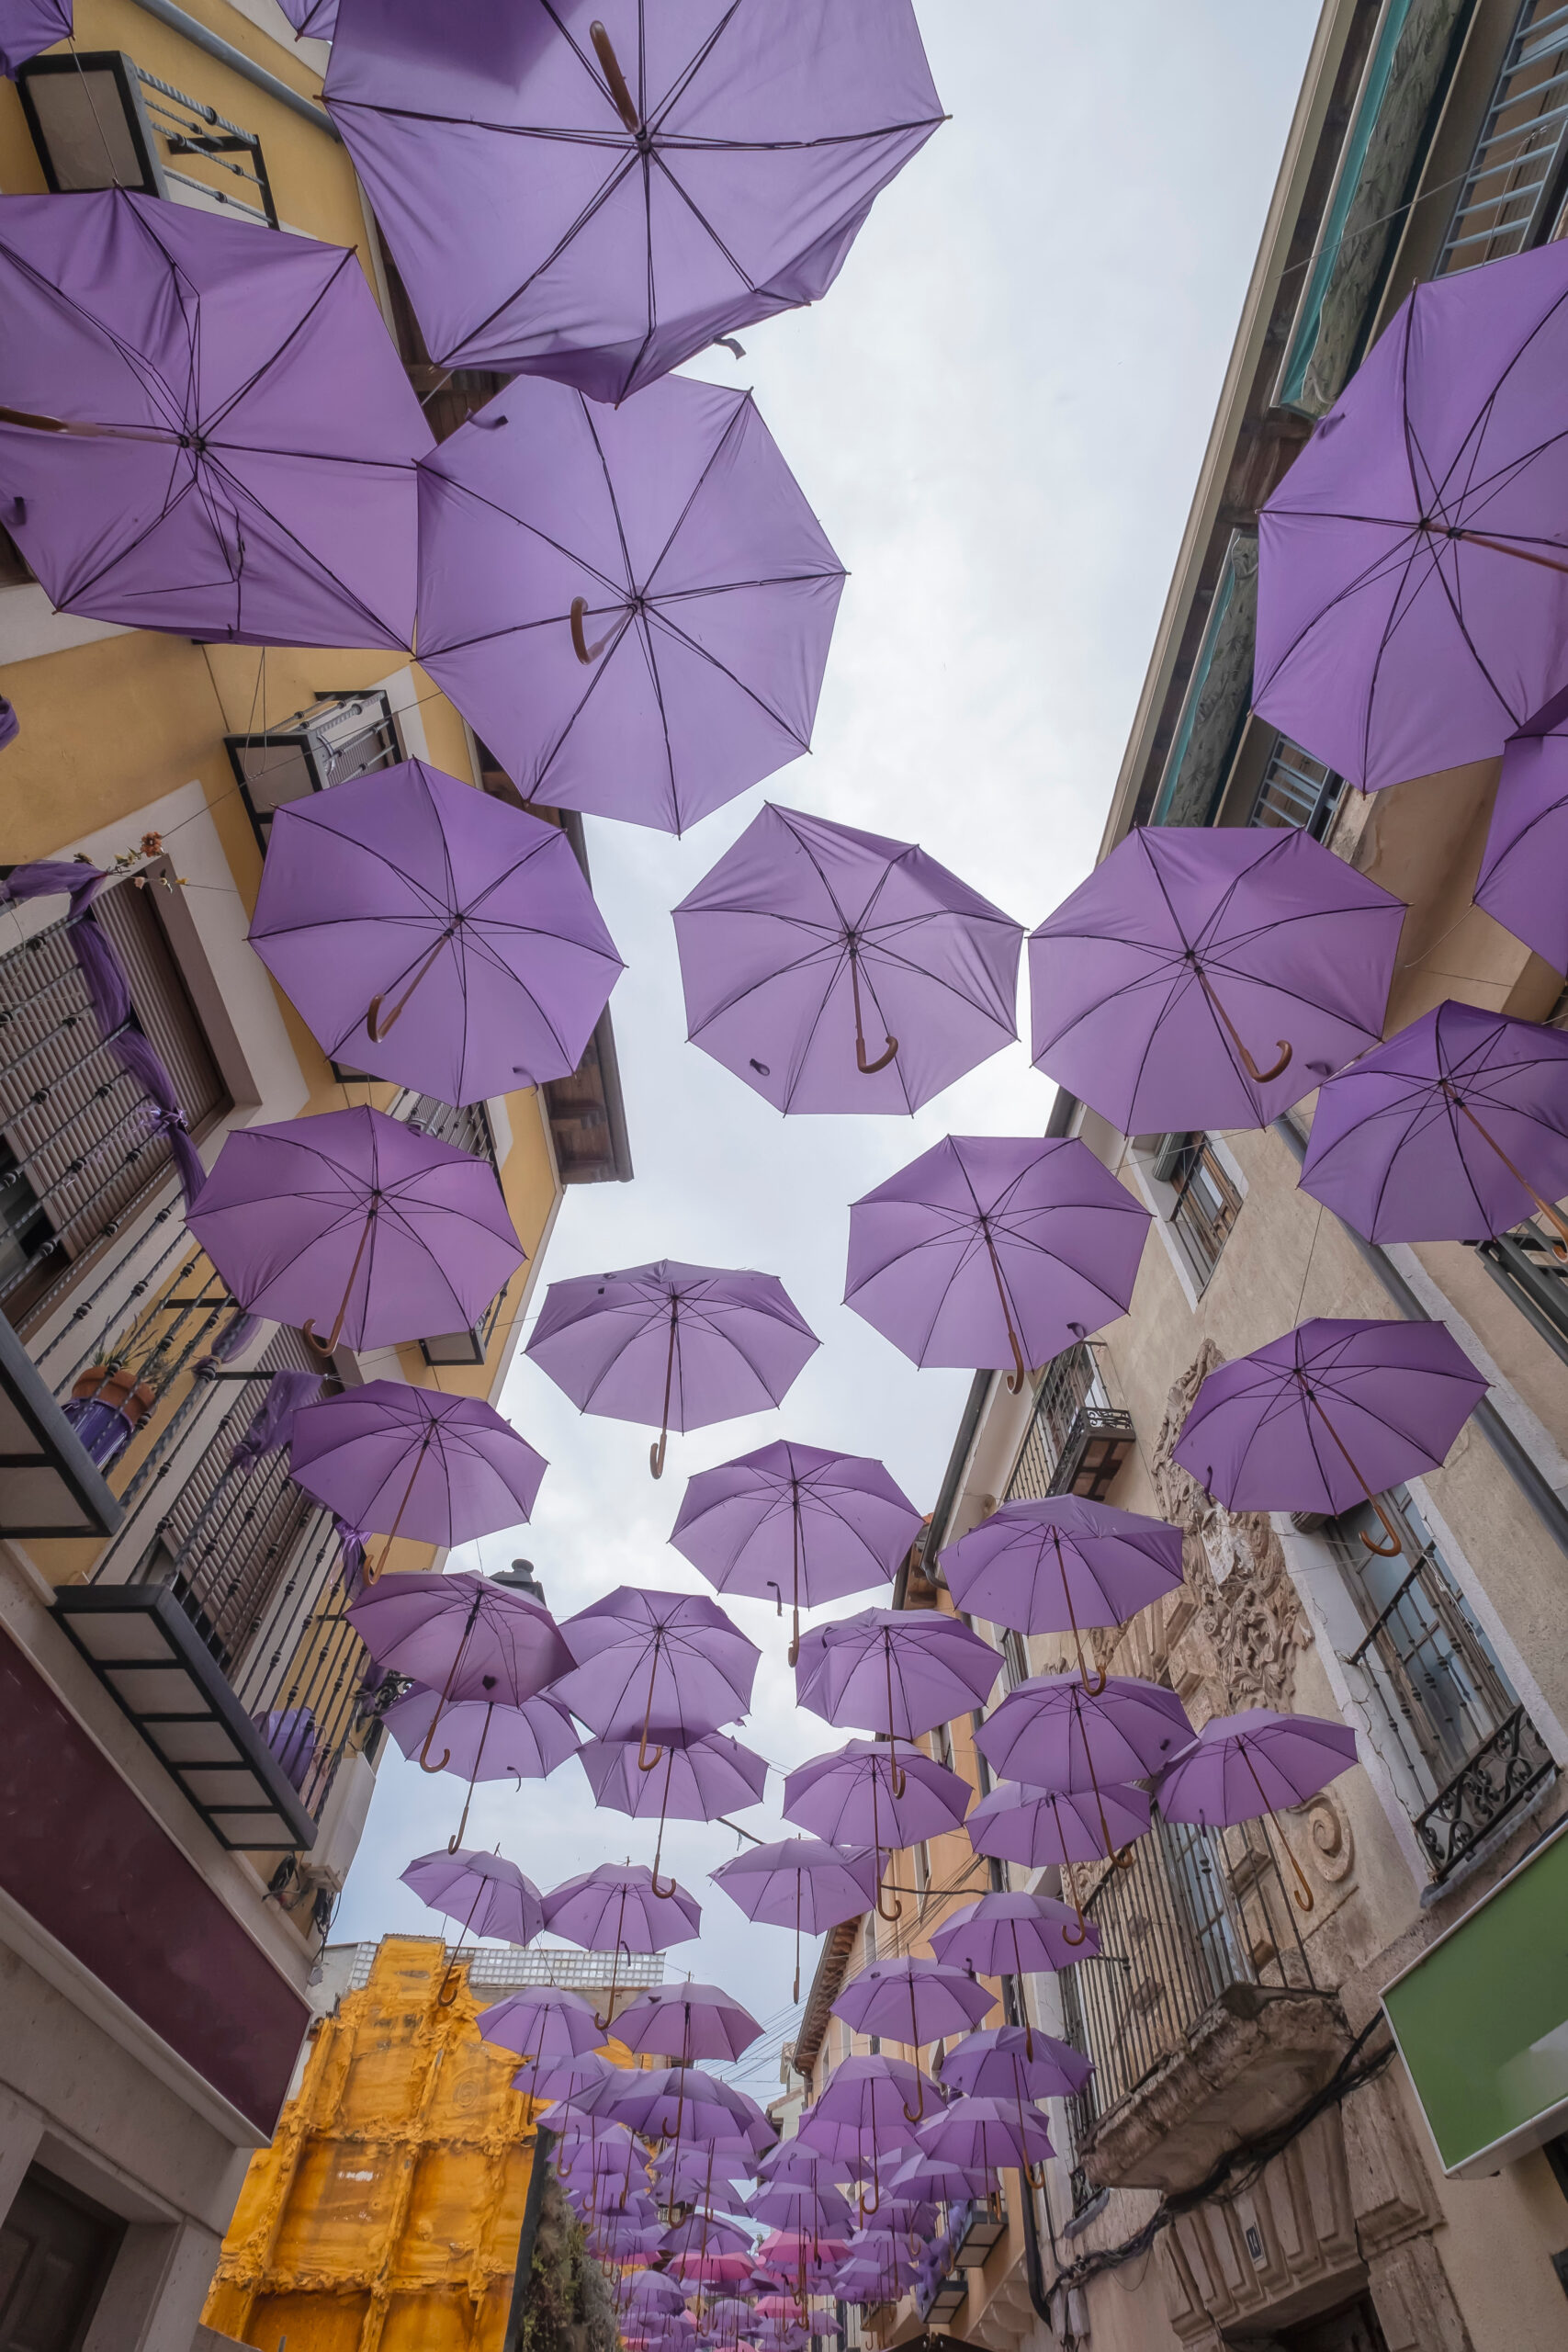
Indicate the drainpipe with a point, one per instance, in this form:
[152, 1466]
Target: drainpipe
[538, 2172]
[1542, 1497]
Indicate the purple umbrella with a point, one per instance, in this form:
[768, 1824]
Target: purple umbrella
[912, 2000]
[407, 1235]
[667, 1663]
[204, 430]
[866, 2113]
[671, 1345]
[546, 2022]
[922, 2176]
[1034, 1564]
[1188, 952]
[488, 1893]
[1053, 1734]
[311, 20]
[801, 1883]
[1446, 1133]
[1003, 1934]
[1412, 600]
[807, 933]
[1527, 840]
[1042, 1828]
[28, 26]
[987, 2136]
[438, 1469]
[632, 606]
[407, 900]
[701, 2231]
[988, 1248]
[1014, 2058]
[560, 2078]
[705, 1779]
[1245, 1767]
[598, 202]
[823, 1524]
[896, 1672]
[483, 1741]
[1330, 1416]
[848, 1798]
[461, 1636]
[620, 1908]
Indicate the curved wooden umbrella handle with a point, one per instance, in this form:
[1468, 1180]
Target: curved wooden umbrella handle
[587, 654]
[326, 1348]
[656, 1453]
[625, 105]
[1278, 1069]
[869, 1069]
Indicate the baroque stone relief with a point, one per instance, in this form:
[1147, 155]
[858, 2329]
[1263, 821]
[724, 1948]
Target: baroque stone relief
[1246, 1605]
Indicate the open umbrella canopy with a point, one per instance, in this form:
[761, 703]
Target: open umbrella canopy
[1455, 1129]
[203, 430]
[632, 606]
[353, 1220]
[1014, 2061]
[1053, 1734]
[1526, 841]
[991, 1250]
[546, 2021]
[869, 2096]
[1242, 1766]
[1043, 1826]
[923, 2176]
[912, 2000]
[680, 2103]
[613, 1907]
[800, 1879]
[837, 970]
[463, 1635]
[560, 2079]
[1054, 1565]
[674, 1346]
[987, 2135]
[483, 1740]
[893, 1671]
[1012, 1934]
[409, 1461]
[489, 1894]
[709, 1777]
[686, 2022]
[598, 202]
[28, 26]
[660, 1668]
[796, 1521]
[434, 935]
[848, 1796]
[1205, 978]
[1328, 1416]
[1413, 565]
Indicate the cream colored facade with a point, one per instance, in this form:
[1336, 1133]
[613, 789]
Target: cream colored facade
[157, 1939]
[1252, 2165]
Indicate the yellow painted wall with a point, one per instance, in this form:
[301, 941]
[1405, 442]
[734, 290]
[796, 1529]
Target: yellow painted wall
[386, 2214]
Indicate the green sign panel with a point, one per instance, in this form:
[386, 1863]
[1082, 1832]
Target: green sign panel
[1482, 2020]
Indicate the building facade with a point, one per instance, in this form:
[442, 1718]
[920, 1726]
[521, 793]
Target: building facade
[1255, 2162]
[191, 1731]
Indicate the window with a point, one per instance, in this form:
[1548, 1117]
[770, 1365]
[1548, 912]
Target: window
[941, 1744]
[1204, 1202]
[1514, 188]
[1015, 1659]
[1461, 1747]
[922, 1860]
[1296, 791]
[342, 735]
[98, 120]
[1076, 1440]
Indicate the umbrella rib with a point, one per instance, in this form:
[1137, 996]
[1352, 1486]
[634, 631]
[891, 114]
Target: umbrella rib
[242, 391]
[307, 556]
[731, 430]
[609, 493]
[481, 498]
[692, 646]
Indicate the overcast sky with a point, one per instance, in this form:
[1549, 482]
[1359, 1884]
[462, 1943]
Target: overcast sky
[999, 413]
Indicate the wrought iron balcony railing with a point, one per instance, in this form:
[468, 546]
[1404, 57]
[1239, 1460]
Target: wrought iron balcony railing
[1196, 1912]
[1076, 1440]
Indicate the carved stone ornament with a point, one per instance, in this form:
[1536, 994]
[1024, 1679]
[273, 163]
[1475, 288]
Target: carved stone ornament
[1234, 1568]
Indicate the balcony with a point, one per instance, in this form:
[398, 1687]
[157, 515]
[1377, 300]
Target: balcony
[1513, 191]
[1076, 1440]
[1200, 2013]
[1522, 1265]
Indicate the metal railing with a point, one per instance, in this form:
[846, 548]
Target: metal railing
[1296, 791]
[186, 127]
[1196, 1912]
[1523, 1265]
[1466, 1751]
[1513, 188]
[1205, 1207]
[1071, 1394]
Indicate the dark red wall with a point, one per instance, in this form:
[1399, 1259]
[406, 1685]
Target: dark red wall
[82, 1854]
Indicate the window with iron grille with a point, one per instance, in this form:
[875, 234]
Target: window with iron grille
[1015, 1659]
[1512, 195]
[1296, 791]
[1460, 1746]
[1204, 1203]
[100, 120]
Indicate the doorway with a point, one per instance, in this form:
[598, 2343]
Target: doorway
[1352, 2328]
[56, 2249]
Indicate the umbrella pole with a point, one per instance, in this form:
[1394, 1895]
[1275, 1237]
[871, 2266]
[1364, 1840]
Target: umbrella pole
[605, 2022]
[896, 1778]
[897, 1910]
[1259, 1077]
[454, 1843]
[625, 105]
[1123, 1860]
[663, 1893]
[794, 1518]
[799, 1888]
[1017, 1979]
[1020, 1372]
[372, 1573]
[1395, 1541]
[913, 2115]
[444, 1999]
[645, 1762]
[1305, 1898]
[1553, 1216]
[656, 1452]
[375, 1029]
[425, 1765]
[1094, 1689]
[867, 1069]
[324, 1348]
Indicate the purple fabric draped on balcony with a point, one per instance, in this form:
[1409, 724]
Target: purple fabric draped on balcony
[272, 1426]
[598, 201]
[208, 431]
[27, 27]
[109, 992]
[290, 1733]
[10, 725]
